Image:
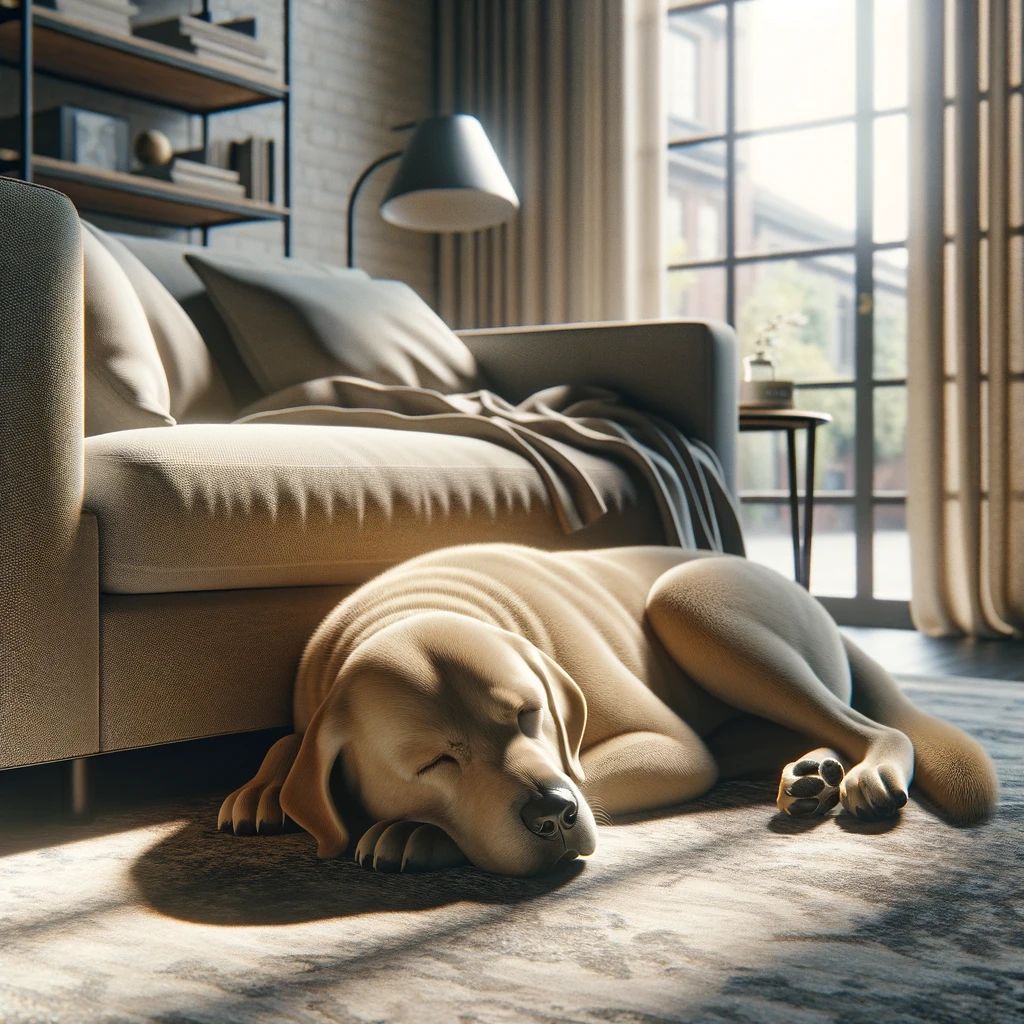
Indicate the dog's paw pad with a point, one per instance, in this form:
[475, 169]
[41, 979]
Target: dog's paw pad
[809, 787]
[831, 771]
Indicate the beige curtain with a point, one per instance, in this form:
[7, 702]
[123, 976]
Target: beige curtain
[966, 326]
[569, 92]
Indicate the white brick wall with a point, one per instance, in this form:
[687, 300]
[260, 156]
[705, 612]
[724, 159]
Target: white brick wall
[360, 67]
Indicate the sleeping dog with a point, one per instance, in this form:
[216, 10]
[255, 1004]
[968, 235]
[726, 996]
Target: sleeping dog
[490, 702]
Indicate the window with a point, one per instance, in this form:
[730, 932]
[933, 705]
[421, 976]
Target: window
[787, 190]
[682, 84]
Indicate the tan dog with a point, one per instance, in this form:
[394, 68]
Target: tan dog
[486, 701]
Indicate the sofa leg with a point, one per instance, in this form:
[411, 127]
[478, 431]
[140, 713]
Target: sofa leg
[81, 804]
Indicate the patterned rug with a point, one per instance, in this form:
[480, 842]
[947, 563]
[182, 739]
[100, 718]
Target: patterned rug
[721, 913]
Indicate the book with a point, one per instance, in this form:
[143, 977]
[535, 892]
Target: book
[243, 60]
[115, 7]
[186, 164]
[199, 176]
[118, 24]
[253, 158]
[188, 33]
[239, 34]
[110, 15]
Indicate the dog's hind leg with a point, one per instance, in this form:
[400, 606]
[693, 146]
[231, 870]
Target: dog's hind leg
[951, 769]
[765, 646]
[256, 806]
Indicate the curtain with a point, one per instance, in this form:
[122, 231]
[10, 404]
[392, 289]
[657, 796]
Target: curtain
[570, 94]
[966, 323]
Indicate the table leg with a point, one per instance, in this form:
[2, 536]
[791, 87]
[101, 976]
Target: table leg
[812, 429]
[794, 507]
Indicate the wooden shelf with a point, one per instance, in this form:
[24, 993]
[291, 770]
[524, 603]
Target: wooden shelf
[140, 198]
[132, 66]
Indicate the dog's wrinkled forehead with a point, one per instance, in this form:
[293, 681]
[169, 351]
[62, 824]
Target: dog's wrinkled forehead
[432, 665]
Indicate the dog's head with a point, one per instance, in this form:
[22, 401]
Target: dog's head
[443, 719]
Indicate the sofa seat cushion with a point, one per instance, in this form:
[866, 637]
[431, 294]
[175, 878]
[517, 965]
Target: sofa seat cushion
[220, 507]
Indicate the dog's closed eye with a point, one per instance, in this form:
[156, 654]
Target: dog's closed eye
[441, 759]
[529, 721]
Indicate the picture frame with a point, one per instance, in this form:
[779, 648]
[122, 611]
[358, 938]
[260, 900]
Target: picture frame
[76, 134]
[95, 139]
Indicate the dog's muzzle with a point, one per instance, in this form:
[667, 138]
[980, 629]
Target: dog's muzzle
[554, 810]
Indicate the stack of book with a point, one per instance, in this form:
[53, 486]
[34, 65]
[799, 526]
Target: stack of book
[199, 176]
[230, 42]
[253, 159]
[109, 15]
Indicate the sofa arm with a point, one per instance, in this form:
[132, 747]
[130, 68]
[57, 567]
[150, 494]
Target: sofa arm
[49, 633]
[683, 370]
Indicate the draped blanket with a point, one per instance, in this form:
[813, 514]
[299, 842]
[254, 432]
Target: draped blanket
[549, 428]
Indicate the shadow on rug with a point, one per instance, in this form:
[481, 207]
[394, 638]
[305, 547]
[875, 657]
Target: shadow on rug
[199, 874]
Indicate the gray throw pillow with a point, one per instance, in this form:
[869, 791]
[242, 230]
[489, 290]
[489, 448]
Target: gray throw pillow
[125, 383]
[294, 322]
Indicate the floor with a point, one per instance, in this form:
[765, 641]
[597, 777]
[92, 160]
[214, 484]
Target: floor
[907, 652]
[722, 913]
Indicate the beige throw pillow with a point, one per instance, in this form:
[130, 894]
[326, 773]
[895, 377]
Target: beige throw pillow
[197, 389]
[125, 383]
[295, 322]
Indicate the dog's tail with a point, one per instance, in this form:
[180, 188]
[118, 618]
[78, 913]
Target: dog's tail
[951, 769]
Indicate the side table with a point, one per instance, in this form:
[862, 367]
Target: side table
[792, 420]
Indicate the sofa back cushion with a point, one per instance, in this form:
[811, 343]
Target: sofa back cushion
[198, 393]
[125, 383]
[294, 322]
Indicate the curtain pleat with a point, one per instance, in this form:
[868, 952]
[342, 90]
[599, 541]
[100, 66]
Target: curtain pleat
[998, 303]
[965, 427]
[554, 84]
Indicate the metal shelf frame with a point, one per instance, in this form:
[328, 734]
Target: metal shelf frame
[260, 92]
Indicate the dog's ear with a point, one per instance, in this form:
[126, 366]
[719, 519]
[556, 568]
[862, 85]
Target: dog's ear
[567, 705]
[306, 793]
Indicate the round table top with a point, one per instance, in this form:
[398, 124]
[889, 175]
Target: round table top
[781, 419]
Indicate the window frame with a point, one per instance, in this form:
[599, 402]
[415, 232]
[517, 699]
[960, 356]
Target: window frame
[863, 608]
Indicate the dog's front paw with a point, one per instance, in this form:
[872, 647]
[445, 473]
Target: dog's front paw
[407, 846]
[252, 809]
[872, 792]
[810, 787]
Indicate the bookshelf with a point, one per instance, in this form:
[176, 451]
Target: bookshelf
[49, 43]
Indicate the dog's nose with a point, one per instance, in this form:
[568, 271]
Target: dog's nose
[555, 808]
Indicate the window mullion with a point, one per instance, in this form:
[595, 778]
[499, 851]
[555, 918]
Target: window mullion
[864, 278]
[730, 161]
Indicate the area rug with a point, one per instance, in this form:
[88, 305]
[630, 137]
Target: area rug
[723, 912]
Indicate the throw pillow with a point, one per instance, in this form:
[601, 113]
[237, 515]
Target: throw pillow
[125, 383]
[294, 322]
[197, 389]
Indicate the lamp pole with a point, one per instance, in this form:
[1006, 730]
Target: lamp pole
[350, 236]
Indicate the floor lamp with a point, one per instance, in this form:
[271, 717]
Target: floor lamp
[448, 179]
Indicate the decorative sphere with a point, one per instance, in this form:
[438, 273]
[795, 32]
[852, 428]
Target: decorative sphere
[153, 148]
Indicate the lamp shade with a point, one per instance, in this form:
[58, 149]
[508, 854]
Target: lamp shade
[449, 179]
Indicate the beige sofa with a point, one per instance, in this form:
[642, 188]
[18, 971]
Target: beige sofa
[158, 584]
